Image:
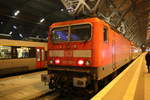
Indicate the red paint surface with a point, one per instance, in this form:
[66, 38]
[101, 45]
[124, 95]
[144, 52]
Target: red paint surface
[117, 48]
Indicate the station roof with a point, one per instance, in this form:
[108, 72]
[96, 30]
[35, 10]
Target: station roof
[31, 18]
[30, 13]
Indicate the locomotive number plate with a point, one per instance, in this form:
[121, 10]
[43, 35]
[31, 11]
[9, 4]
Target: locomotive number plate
[68, 62]
[68, 53]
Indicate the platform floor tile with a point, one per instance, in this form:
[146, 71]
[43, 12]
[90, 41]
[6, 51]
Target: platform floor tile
[22, 87]
[147, 85]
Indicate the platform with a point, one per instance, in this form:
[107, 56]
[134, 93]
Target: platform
[22, 87]
[147, 85]
[132, 84]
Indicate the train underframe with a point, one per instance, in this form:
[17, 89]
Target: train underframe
[62, 78]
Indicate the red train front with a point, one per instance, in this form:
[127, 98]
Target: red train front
[83, 52]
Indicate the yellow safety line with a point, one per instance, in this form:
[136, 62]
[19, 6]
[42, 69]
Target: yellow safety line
[107, 88]
[130, 93]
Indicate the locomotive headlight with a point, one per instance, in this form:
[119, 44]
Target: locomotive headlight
[51, 61]
[57, 61]
[87, 63]
[80, 62]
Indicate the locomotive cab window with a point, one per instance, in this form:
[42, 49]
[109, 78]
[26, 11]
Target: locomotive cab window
[105, 32]
[80, 32]
[59, 34]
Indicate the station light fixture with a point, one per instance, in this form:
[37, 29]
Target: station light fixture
[70, 9]
[62, 10]
[21, 35]
[42, 20]
[15, 27]
[143, 45]
[17, 12]
[10, 32]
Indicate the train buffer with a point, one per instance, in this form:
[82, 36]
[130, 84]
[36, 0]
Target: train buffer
[132, 84]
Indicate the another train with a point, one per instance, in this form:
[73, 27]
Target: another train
[83, 53]
[21, 56]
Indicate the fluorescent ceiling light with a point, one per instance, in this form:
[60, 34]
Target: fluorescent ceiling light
[17, 12]
[21, 35]
[42, 20]
[61, 9]
[15, 27]
[10, 32]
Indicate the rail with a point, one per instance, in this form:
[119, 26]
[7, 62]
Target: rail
[129, 85]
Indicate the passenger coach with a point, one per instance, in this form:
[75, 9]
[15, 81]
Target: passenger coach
[20, 56]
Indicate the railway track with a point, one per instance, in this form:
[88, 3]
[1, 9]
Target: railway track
[57, 96]
[72, 95]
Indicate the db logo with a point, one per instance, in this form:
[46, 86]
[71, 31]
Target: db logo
[68, 53]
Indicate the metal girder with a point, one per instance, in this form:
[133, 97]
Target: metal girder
[122, 28]
[74, 6]
[115, 18]
[77, 6]
[132, 37]
[133, 3]
[136, 39]
[122, 3]
[129, 29]
[139, 41]
[120, 23]
[132, 27]
[129, 20]
[130, 34]
[96, 6]
[123, 15]
[115, 10]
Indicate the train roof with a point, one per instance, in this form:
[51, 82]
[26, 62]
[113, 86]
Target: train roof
[6, 42]
[94, 19]
[86, 20]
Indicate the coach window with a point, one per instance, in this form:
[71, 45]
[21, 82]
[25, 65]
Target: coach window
[14, 52]
[105, 30]
[38, 54]
[23, 52]
[80, 32]
[43, 54]
[32, 52]
[5, 52]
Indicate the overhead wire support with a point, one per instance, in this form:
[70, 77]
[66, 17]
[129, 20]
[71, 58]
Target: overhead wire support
[77, 6]
[103, 9]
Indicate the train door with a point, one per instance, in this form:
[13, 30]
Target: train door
[40, 57]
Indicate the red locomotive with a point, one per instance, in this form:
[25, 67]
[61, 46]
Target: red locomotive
[81, 53]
